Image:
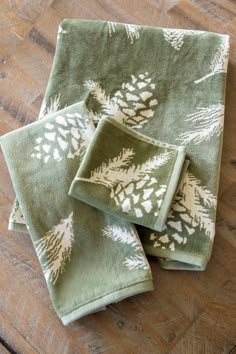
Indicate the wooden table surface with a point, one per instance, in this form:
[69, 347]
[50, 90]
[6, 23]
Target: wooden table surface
[189, 312]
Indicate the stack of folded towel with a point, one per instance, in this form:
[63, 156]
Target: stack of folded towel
[124, 160]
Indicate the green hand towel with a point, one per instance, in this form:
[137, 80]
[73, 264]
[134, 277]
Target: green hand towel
[167, 84]
[129, 175]
[89, 259]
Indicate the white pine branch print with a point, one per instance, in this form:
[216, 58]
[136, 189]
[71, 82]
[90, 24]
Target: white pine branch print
[111, 27]
[102, 174]
[192, 184]
[198, 200]
[132, 31]
[110, 107]
[123, 235]
[95, 117]
[132, 188]
[191, 211]
[96, 90]
[175, 37]
[55, 248]
[129, 237]
[136, 172]
[208, 121]
[219, 62]
[113, 172]
[51, 107]
[136, 262]
[132, 105]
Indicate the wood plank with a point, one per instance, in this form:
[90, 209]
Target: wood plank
[11, 336]
[73, 9]
[48, 24]
[11, 106]
[201, 17]
[12, 81]
[34, 61]
[31, 315]
[3, 349]
[30, 12]
[6, 193]
[13, 30]
[215, 330]
[16, 20]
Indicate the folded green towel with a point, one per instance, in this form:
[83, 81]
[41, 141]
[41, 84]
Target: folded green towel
[89, 259]
[128, 174]
[167, 84]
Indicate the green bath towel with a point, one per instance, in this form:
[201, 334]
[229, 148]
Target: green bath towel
[167, 84]
[89, 259]
[129, 175]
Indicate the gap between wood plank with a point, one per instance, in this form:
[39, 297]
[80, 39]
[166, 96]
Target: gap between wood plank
[7, 346]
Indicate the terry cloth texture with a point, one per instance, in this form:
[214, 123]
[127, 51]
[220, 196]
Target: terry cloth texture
[167, 84]
[127, 174]
[89, 259]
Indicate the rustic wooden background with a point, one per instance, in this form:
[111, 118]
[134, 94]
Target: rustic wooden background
[189, 312]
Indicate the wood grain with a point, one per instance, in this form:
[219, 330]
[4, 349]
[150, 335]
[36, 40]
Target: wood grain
[189, 312]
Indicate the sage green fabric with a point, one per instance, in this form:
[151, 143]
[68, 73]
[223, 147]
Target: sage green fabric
[127, 174]
[167, 84]
[89, 259]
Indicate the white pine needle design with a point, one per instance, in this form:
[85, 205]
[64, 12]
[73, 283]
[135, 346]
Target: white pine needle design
[111, 108]
[102, 174]
[122, 235]
[132, 188]
[136, 262]
[129, 237]
[55, 247]
[132, 31]
[136, 173]
[111, 27]
[95, 117]
[191, 183]
[51, 107]
[113, 172]
[219, 62]
[175, 37]
[208, 121]
[198, 200]
[132, 105]
[191, 210]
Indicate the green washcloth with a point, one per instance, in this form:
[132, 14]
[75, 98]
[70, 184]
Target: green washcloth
[167, 84]
[89, 259]
[127, 174]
